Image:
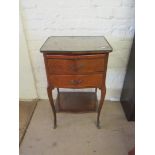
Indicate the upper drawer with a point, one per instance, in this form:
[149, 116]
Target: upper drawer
[76, 64]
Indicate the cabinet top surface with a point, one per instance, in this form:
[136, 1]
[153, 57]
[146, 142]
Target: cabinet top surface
[75, 44]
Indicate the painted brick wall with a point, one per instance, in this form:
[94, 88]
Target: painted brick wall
[27, 89]
[112, 18]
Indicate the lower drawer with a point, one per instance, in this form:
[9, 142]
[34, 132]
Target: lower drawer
[76, 81]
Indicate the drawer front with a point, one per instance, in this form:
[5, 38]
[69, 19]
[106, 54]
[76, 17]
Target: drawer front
[74, 65]
[76, 81]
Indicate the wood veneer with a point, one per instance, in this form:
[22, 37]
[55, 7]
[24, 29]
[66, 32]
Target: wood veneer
[72, 68]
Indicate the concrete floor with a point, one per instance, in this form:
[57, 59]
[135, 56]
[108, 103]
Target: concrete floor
[77, 134]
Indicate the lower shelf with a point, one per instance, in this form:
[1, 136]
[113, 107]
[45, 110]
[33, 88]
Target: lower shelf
[76, 102]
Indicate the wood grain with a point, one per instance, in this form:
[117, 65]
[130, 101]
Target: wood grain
[76, 66]
[76, 81]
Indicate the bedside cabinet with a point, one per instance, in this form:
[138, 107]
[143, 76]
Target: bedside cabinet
[76, 62]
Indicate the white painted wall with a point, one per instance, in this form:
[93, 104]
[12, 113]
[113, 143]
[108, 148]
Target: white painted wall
[112, 18]
[27, 90]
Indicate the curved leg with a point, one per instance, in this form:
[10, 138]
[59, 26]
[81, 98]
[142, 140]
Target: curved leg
[49, 91]
[103, 92]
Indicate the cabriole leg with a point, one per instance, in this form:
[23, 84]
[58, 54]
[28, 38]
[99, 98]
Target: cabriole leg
[103, 92]
[49, 91]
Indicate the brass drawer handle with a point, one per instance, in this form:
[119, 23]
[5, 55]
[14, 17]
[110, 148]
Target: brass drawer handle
[80, 66]
[75, 68]
[76, 82]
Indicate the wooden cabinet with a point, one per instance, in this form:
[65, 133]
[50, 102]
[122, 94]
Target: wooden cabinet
[128, 91]
[76, 62]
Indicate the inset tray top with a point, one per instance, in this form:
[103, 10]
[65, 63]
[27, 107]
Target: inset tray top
[76, 44]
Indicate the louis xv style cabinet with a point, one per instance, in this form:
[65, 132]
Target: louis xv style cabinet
[76, 62]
